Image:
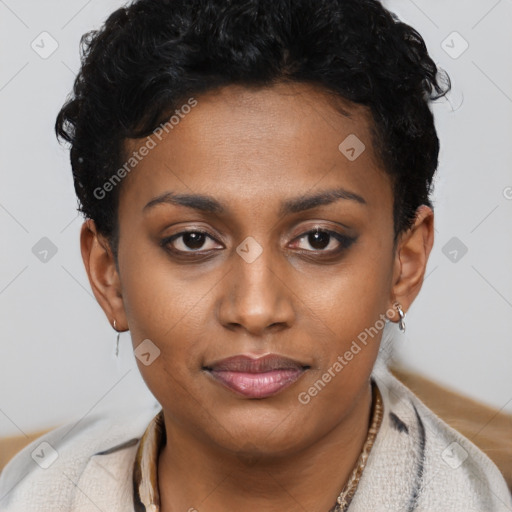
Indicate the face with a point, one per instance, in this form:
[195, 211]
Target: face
[255, 266]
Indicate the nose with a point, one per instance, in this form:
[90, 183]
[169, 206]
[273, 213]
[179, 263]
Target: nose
[257, 298]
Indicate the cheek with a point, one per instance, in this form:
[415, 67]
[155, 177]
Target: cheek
[159, 297]
[167, 306]
[354, 298]
[352, 310]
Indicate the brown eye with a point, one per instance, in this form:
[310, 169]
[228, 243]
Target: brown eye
[323, 240]
[319, 239]
[188, 241]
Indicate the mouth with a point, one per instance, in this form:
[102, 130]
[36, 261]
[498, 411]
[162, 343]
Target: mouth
[260, 377]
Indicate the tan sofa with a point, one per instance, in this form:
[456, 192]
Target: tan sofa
[485, 426]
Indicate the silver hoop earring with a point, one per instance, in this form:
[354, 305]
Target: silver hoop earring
[117, 339]
[401, 322]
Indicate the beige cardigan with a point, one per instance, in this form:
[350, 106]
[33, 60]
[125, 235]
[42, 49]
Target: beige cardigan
[417, 464]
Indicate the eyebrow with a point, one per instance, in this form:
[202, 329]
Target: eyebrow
[209, 204]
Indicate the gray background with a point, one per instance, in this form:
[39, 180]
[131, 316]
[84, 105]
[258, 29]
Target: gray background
[57, 359]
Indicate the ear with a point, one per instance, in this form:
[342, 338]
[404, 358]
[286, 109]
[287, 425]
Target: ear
[411, 257]
[103, 276]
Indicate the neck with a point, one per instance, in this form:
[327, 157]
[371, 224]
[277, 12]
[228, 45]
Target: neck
[198, 476]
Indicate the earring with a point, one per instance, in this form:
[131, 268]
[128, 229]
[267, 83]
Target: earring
[117, 339]
[401, 322]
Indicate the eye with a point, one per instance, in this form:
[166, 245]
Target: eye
[188, 241]
[325, 241]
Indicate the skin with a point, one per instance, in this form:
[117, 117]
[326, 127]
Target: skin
[252, 149]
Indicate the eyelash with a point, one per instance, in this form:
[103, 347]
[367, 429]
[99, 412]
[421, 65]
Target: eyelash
[344, 241]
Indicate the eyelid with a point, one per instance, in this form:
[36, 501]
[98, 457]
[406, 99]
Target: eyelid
[167, 244]
[344, 241]
[345, 230]
[324, 226]
[168, 239]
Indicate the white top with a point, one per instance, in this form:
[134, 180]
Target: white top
[418, 463]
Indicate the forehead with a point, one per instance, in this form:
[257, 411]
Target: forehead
[258, 145]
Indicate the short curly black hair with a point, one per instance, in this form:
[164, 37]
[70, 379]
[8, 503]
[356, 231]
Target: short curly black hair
[151, 55]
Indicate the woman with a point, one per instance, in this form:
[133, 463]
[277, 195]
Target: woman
[255, 177]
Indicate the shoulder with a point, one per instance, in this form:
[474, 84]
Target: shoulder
[434, 465]
[88, 458]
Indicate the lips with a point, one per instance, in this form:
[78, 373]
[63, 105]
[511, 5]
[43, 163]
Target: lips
[256, 377]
